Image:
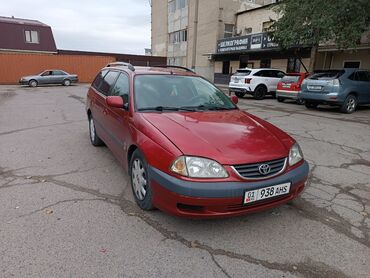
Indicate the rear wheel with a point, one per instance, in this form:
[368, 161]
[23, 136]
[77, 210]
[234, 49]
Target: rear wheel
[33, 83]
[260, 92]
[94, 138]
[239, 94]
[140, 181]
[311, 105]
[67, 82]
[349, 105]
[280, 99]
[300, 101]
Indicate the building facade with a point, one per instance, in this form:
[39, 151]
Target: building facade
[215, 38]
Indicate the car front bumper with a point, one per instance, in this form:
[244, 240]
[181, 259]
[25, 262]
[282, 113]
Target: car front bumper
[219, 199]
[23, 82]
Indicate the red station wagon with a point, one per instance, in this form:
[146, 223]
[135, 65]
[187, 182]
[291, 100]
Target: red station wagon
[188, 149]
[289, 87]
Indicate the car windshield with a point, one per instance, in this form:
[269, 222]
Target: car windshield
[176, 93]
[327, 75]
[242, 72]
[290, 79]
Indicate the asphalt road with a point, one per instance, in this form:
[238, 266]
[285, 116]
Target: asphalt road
[66, 207]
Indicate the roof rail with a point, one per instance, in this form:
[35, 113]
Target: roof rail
[175, 67]
[121, 64]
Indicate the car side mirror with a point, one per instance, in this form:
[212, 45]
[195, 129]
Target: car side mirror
[116, 102]
[235, 99]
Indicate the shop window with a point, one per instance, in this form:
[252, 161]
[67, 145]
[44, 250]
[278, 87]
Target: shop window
[32, 36]
[226, 67]
[265, 63]
[294, 65]
[229, 30]
[351, 64]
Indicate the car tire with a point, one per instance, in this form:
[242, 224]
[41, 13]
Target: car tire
[280, 99]
[311, 105]
[239, 94]
[140, 181]
[32, 83]
[94, 138]
[349, 105]
[260, 92]
[67, 82]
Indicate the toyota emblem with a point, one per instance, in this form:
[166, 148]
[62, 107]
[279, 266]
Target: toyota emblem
[264, 169]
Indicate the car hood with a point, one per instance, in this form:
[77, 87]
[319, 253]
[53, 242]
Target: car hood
[232, 137]
[30, 76]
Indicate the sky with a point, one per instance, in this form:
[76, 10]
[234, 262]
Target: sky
[115, 26]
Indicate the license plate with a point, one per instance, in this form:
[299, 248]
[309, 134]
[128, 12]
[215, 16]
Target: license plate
[286, 85]
[314, 87]
[266, 193]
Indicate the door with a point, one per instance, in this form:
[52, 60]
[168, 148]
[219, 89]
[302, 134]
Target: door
[46, 77]
[58, 77]
[362, 81]
[118, 118]
[99, 110]
[275, 78]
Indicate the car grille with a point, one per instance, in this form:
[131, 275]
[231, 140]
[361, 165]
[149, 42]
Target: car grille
[252, 171]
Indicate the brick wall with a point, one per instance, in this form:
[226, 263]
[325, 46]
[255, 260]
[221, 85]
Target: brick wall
[15, 65]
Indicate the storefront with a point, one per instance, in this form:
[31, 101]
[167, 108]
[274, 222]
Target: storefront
[256, 51]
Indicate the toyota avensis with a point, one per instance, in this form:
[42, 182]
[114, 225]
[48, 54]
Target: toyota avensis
[188, 149]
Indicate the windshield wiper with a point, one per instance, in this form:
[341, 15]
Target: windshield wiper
[166, 108]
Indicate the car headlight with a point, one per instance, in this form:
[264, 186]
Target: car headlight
[198, 167]
[295, 154]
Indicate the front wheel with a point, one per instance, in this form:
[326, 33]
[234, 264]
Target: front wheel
[140, 181]
[239, 94]
[349, 105]
[33, 83]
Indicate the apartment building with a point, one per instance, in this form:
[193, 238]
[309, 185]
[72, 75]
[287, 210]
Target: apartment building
[187, 31]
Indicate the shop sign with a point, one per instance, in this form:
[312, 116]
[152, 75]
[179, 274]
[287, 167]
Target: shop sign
[245, 43]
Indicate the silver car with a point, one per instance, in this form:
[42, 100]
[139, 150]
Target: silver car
[49, 77]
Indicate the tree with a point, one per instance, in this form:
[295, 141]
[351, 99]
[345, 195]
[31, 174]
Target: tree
[311, 22]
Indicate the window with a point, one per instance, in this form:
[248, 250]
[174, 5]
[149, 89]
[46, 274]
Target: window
[58, 72]
[229, 30]
[294, 65]
[107, 82]
[265, 63]
[122, 87]
[179, 36]
[47, 73]
[171, 7]
[32, 36]
[176, 5]
[266, 26]
[361, 76]
[351, 64]
[99, 79]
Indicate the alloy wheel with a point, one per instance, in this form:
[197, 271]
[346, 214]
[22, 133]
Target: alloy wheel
[139, 179]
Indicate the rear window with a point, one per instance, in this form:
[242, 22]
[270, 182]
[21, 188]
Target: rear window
[290, 79]
[326, 75]
[242, 72]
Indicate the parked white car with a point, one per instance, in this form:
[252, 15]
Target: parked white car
[257, 82]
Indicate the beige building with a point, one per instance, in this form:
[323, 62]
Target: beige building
[186, 31]
[216, 37]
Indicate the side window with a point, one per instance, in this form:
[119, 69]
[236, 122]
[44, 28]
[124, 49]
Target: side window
[99, 79]
[361, 76]
[107, 82]
[47, 73]
[259, 73]
[122, 87]
[58, 72]
[280, 74]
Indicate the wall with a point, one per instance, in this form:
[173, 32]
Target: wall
[15, 65]
[159, 27]
[254, 19]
